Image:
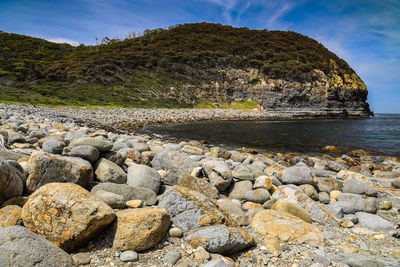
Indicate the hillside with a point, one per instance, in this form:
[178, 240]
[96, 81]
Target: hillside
[187, 65]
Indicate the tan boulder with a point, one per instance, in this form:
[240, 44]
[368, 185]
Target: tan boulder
[10, 215]
[292, 209]
[140, 229]
[286, 228]
[66, 214]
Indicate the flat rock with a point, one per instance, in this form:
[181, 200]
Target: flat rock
[140, 229]
[126, 191]
[372, 221]
[221, 239]
[259, 195]
[66, 214]
[47, 168]
[11, 184]
[242, 172]
[144, 176]
[359, 260]
[356, 186]
[360, 203]
[111, 199]
[170, 159]
[19, 247]
[108, 171]
[286, 228]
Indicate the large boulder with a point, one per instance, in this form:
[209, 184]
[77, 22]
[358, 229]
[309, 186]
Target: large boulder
[126, 191]
[359, 202]
[144, 176]
[372, 221]
[87, 152]
[48, 168]
[189, 209]
[66, 214]
[140, 229]
[170, 159]
[11, 184]
[356, 186]
[108, 171]
[286, 228]
[240, 189]
[19, 247]
[221, 239]
[328, 184]
[100, 144]
[297, 175]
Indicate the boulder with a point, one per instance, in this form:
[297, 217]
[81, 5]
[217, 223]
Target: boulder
[170, 159]
[263, 182]
[240, 189]
[126, 191]
[192, 150]
[310, 191]
[286, 228]
[259, 195]
[19, 247]
[233, 207]
[242, 172]
[15, 137]
[11, 182]
[140, 229]
[53, 146]
[219, 173]
[10, 216]
[100, 144]
[221, 239]
[108, 171]
[177, 177]
[297, 175]
[66, 214]
[143, 176]
[334, 165]
[359, 202]
[356, 186]
[47, 168]
[374, 222]
[86, 152]
[189, 209]
[328, 184]
[111, 199]
[295, 195]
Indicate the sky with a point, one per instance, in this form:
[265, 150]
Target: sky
[365, 33]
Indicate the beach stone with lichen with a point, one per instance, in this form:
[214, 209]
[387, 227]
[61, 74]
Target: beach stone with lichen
[10, 215]
[66, 214]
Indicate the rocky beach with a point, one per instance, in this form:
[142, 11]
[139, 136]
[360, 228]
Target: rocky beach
[83, 187]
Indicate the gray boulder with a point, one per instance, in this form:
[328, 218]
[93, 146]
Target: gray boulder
[126, 191]
[328, 184]
[144, 176]
[259, 195]
[356, 186]
[222, 239]
[108, 171]
[111, 199]
[86, 152]
[360, 203]
[15, 137]
[297, 175]
[242, 172]
[11, 180]
[359, 260]
[219, 173]
[334, 165]
[53, 146]
[47, 168]
[372, 221]
[171, 159]
[240, 189]
[19, 247]
[100, 144]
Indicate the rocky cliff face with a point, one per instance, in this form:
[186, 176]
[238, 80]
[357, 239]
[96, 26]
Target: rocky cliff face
[327, 95]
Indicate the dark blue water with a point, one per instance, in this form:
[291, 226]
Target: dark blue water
[380, 133]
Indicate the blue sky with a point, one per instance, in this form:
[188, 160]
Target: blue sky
[366, 33]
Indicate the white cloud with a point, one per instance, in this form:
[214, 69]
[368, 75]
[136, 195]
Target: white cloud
[63, 41]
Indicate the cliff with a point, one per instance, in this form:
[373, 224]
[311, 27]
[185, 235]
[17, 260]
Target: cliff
[188, 65]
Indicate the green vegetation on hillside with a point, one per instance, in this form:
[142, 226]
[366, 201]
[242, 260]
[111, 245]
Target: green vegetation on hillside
[140, 71]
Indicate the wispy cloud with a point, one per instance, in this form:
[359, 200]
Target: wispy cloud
[63, 41]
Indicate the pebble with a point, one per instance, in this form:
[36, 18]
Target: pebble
[136, 203]
[175, 232]
[81, 258]
[172, 257]
[128, 256]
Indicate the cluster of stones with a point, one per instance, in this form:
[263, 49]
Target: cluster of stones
[73, 195]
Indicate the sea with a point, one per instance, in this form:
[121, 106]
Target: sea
[380, 133]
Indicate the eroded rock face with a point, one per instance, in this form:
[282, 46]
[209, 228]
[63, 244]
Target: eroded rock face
[66, 214]
[48, 168]
[286, 228]
[140, 229]
[19, 247]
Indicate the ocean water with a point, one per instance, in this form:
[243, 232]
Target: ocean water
[380, 133]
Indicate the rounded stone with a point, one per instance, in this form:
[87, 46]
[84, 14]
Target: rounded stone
[324, 197]
[259, 195]
[175, 232]
[128, 256]
[136, 203]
